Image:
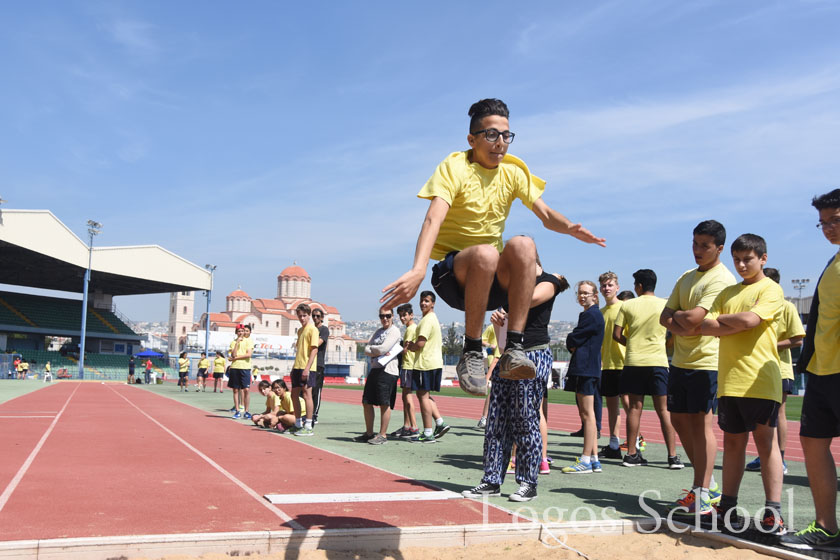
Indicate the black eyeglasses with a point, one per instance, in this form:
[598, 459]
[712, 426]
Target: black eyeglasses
[385, 315]
[491, 135]
[317, 316]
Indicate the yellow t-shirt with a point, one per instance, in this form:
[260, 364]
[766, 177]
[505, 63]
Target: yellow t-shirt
[488, 337]
[645, 336]
[479, 200]
[183, 365]
[307, 339]
[408, 356]
[203, 363]
[219, 365]
[273, 400]
[612, 353]
[748, 364]
[698, 289]
[431, 356]
[826, 358]
[788, 325]
[244, 346]
[286, 404]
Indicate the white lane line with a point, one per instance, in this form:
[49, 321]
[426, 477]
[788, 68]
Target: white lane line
[360, 497]
[248, 490]
[4, 497]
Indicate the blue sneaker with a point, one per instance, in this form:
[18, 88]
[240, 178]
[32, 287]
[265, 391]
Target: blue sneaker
[784, 467]
[714, 495]
[596, 466]
[232, 410]
[754, 465]
[236, 415]
[578, 468]
[247, 416]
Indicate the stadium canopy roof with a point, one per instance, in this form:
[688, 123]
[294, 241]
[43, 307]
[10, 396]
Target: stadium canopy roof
[37, 250]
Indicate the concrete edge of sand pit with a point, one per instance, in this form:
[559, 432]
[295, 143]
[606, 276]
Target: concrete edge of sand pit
[731, 540]
[268, 542]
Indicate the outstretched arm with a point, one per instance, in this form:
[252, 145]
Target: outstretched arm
[403, 289]
[555, 221]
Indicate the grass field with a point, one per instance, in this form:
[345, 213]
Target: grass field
[558, 396]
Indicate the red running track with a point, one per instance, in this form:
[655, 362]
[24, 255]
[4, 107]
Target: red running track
[90, 459]
[564, 418]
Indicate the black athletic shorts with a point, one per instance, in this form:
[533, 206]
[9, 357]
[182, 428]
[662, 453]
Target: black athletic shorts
[380, 388]
[787, 386]
[737, 415]
[297, 378]
[644, 380]
[692, 390]
[582, 385]
[446, 286]
[821, 406]
[610, 382]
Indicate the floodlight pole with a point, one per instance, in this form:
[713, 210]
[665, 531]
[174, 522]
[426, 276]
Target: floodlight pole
[211, 268]
[799, 284]
[93, 229]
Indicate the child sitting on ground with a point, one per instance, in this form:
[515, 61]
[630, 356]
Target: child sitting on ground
[286, 415]
[269, 418]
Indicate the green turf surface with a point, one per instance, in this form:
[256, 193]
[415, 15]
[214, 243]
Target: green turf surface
[12, 388]
[455, 463]
[558, 396]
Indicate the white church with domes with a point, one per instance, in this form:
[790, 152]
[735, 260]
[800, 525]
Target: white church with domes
[277, 316]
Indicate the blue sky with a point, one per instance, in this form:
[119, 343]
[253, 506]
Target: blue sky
[253, 135]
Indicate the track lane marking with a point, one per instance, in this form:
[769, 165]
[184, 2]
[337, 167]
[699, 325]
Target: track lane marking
[7, 493]
[248, 490]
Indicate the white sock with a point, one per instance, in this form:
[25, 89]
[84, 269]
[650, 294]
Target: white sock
[584, 459]
[712, 482]
[614, 443]
[428, 432]
[704, 494]
[594, 458]
[298, 423]
[439, 422]
[308, 423]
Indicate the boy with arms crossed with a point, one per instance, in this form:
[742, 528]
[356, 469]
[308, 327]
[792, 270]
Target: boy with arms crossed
[612, 362]
[470, 196]
[409, 427]
[428, 369]
[820, 361]
[749, 380]
[239, 372]
[692, 383]
[302, 378]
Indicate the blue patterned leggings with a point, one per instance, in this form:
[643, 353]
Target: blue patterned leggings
[514, 416]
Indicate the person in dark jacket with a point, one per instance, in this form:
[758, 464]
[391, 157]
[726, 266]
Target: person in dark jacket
[584, 376]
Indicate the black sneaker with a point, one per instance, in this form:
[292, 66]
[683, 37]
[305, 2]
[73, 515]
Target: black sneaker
[772, 523]
[526, 493]
[397, 433]
[482, 490]
[674, 463]
[410, 434]
[578, 433]
[729, 522]
[364, 438]
[609, 453]
[472, 373]
[812, 537]
[634, 460]
[441, 430]
[514, 364]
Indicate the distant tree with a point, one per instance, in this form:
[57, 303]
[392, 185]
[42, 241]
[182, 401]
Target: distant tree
[453, 344]
[560, 353]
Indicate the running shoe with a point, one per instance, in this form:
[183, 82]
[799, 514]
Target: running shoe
[363, 438]
[246, 416]
[472, 373]
[596, 466]
[236, 415]
[511, 467]
[578, 433]
[545, 468]
[305, 432]
[482, 423]
[293, 429]
[232, 410]
[714, 495]
[729, 521]
[514, 364]
[526, 493]
[674, 463]
[689, 505]
[610, 453]
[640, 444]
[398, 433]
[812, 537]
[578, 468]
[754, 465]
[410, 434]
[772, 523]
[423, 438]
[441, 430]
[482, 490]
[378, 440]
[635, 460]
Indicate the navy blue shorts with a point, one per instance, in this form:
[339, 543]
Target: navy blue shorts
[644, 380]
[406, 381]
[426, 380]
[297, 378]
[610, 382]
[202, 372]
[737, 415]
[692, 390]
[239, 378]
[821, 406]
[446, 286]
[582, 385]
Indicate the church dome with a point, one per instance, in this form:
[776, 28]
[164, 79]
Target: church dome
[294, 271]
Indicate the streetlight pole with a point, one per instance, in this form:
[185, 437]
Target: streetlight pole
[211, 268]
[93, 229]
[799, 284]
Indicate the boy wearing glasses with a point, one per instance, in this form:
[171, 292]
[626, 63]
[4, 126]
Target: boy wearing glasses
[303, 377]
[470, 196]
[323, 337]
[428, 368]
[820, 361]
